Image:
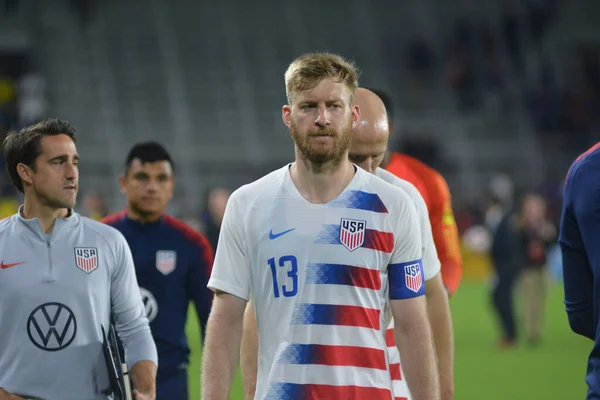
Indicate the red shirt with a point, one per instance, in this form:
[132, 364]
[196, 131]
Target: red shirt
[434, 189]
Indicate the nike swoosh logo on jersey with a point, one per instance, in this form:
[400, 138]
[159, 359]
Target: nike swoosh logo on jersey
[5, 266]
[276, 235]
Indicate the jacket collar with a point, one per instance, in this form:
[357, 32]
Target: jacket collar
[34, 226]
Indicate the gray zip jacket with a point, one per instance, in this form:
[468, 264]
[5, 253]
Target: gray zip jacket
[56, 291]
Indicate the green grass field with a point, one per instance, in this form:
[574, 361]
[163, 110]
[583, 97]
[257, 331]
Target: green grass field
[553, 371]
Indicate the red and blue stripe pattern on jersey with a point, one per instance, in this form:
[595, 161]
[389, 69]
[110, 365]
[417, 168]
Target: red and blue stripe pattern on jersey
[359, 200]
[340, 274]
[331, 314]
[294, 391]
[339, 356]
[374, 239]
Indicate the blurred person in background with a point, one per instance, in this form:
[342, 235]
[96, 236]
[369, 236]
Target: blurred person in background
[579, 233]
[500, 221]
[519, 246]
[434, 189]
[507, 260]
[213, 215]
[502, 192]
[494, 214]
[538, 233]
[172, 262]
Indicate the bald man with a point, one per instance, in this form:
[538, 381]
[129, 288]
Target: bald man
[434, 189]
[369, 143]
[367, 150]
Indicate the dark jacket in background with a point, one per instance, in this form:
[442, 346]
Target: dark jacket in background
[508, 249]
[507, 255]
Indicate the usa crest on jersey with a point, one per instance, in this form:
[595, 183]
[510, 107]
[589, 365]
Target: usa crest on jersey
[86, 258]
[413, 277]
[166, 261]
[352, 233]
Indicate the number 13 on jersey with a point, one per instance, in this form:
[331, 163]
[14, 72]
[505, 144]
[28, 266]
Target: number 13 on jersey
[289, 265]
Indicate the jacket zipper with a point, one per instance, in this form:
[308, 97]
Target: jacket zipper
[49, 258]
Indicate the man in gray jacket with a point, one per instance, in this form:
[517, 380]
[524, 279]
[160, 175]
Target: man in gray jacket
[62, 278]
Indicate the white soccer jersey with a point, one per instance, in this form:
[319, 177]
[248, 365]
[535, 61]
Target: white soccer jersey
[431, 267]
[320, 276]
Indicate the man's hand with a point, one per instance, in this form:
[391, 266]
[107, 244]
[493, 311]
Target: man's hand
[143, 375]
[143, 396]
[4, 395]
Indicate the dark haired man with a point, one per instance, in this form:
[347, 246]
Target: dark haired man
[62, 278]
[172, 261]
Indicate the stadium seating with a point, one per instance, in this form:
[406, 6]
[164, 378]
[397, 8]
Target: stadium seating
[207, 79]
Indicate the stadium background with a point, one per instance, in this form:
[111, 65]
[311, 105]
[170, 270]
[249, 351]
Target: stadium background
[495, 95]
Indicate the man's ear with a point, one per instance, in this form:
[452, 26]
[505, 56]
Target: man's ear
[355, 116]
[25, 173]
[286, 115]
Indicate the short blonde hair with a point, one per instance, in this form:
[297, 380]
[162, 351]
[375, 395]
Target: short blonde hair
[306, 71]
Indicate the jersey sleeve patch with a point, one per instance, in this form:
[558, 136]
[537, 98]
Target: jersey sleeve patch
[406, 280]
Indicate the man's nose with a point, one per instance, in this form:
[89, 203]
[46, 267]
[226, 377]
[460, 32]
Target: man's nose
[152, 185]
[71, 171]
[322, 117]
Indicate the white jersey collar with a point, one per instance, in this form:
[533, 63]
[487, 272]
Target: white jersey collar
[355, 183]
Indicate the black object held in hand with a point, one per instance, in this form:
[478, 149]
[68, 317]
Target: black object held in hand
[113, 364]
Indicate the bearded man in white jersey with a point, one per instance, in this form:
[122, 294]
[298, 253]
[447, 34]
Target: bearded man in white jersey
[367, 150]
[325, 250]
